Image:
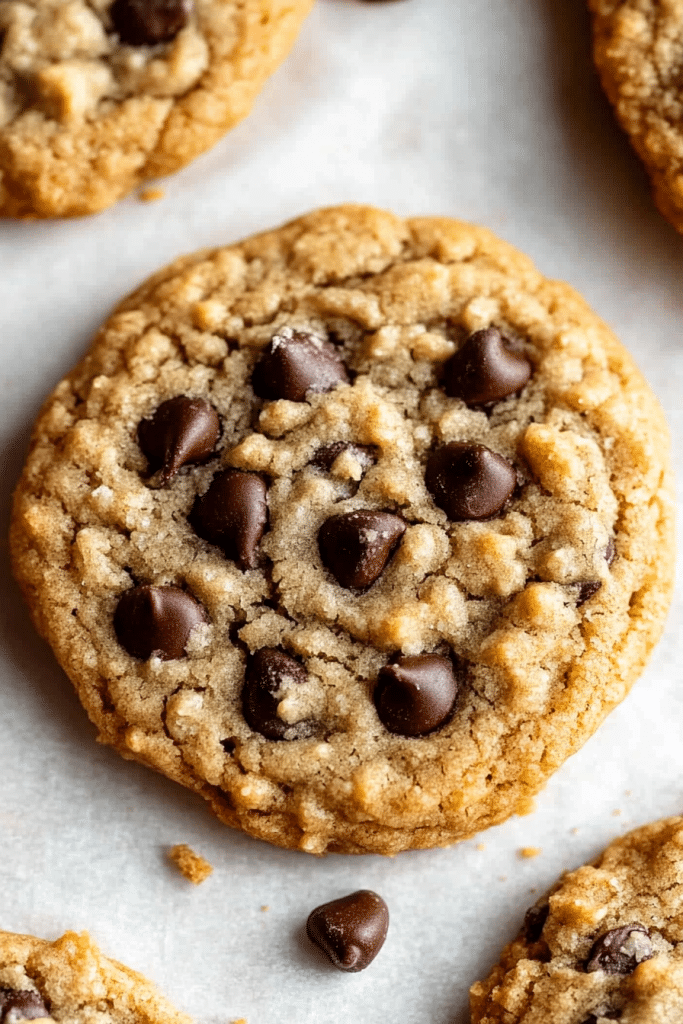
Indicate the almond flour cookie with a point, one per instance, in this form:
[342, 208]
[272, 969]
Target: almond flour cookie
[637, 48]
[358, 528]
[70, 982]
[97, 97]
[605, 945]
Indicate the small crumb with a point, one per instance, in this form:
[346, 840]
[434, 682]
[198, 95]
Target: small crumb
[240, 1020]
[481, 846]
[150, 195]
[533, 889]
[530, 851]
[265, 907]
[575, 831]
[627, 792]
[617, 813]
[190, 864]
[502, 878]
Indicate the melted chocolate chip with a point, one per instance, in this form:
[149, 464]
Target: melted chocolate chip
[16, 1006]
[182, 430]
[356, 546]
[416, 695]
[485, 369]
[469, 481]
[233, 515]
[587, 590]
[156, 620]
[296, 363]
[325, 457]
[350, 930]
[269, 672]
[620, 950]
[534, 922]
[146, 22]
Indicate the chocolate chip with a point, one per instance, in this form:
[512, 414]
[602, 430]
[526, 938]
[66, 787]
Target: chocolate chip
[350, 930]
[16, 1006]
[610, 551]
[416, 694]
[233, 514]
[324, 457]
[485, 369]
[296, 363]
[534, 922]
[469, 481]
[606, 1015]
[270, 672]
[156, 620]
[356, 546]
[182, 430]
[587, 590]
[620, 950]
[146, 22]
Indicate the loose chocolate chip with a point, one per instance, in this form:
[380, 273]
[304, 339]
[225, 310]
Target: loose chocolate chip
[146, 22]
[181, 431]
[534, 922]
[416, 694]
[365, 454]
[469, 481]
[269, 672]
[233, 514]
[356, 546]
[16, 1006]
[350, 930]
[485, 369]
[156, 620]
[294, 364]
[620, 950]
[587, 590]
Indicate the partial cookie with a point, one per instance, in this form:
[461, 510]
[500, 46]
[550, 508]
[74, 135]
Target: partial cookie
[69, 981]
[637, 47]
[358, 528]
[97, 97]
[605, 945]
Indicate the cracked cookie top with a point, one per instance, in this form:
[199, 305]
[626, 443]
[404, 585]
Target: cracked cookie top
[96, 97]
[605, 944]
[359, 528]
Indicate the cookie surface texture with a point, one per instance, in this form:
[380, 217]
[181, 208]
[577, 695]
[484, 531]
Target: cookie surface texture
[605, 945]
[96, 98]
[285, 619]
[71, 982]
[637, 46]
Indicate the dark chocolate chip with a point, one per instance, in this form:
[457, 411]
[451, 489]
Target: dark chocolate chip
[269, 673]
[182, 430]
[16, 1006]
[485, 369]
[325, 457]
[146, 22]
[534, 922]
[620, 950]
[416, 694]
[606, 1015]
[356, 546]
[587, 590]
[350, 930]
[156, 620]
[296, 363]
[469, 481]
[233, 515]
[610, 551]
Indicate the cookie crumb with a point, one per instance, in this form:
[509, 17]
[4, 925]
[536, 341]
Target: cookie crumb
[151, 195]
[240, 1020]
[265, 907]
[616, 813]
[530, 851]
[190, 864]
[575, 831]
[480, 846]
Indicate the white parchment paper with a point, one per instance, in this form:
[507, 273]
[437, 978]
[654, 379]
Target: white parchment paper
[487, 110]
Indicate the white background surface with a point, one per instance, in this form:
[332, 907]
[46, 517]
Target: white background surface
[487, 110]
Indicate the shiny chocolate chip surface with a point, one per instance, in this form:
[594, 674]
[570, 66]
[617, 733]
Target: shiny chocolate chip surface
[146, 22]
[416, 694]
[485, 369]
[269, 673]
[356, 546]
[469, 481]
[156, 620]
[233, 515]
[620, 950]
[587, 589]
[534, 922]
[296, 363]
[16, 1006]
[350, 930]
[182, 431]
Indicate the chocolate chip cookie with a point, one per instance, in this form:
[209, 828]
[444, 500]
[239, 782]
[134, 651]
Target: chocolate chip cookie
[605, 945]
[637, 47]
[358, 528]
[97, 97]
[71, 982]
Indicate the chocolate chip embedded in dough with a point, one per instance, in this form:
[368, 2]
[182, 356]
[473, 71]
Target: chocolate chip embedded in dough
[296, 363]
[485, 369]
[146, 22]
[350, 930]
[233, 515]
[326, 456]
[270, 672]
[534, 922]
[356, 546]
[469, 481]
[610, 551]
[156, 620]
[620, 950]
[587, 590]
[22, 1005]
[182, 430]
[416, 694]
